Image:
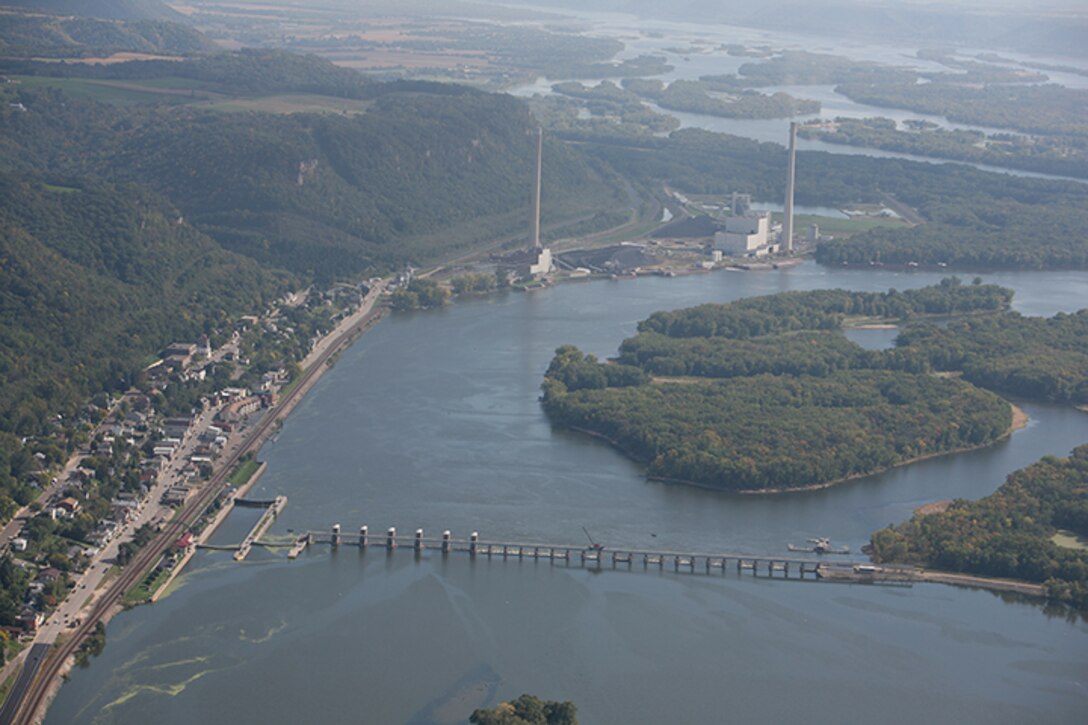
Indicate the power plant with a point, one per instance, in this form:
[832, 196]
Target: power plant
[747, 232]
[787, 225]
[536, 259]
[534, 234]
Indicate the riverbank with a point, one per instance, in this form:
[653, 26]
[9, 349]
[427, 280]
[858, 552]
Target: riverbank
[116, 609]
[983, 582]
[217, 521]
[933, 507]
[473, 428]
[1019, 420]
[316, 363]
[319, 360]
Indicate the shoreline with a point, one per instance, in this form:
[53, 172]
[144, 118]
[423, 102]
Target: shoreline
[324, 356]
[1020, 420]
[320, 360]
[217, 521]
[350, 329]
[972, 581]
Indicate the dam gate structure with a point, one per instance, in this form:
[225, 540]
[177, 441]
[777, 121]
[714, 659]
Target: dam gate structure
[598, 557]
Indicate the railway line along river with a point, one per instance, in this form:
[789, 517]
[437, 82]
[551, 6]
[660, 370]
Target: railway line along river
[432, 420]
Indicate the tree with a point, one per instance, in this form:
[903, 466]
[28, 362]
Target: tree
[527, 710]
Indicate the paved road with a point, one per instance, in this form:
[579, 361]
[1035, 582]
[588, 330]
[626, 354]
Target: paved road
[33, 661]
[67, 612]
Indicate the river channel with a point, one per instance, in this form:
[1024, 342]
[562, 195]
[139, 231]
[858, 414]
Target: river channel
[432, 420]
[695, 50]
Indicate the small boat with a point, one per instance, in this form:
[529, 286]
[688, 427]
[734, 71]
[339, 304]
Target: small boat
[820, 545]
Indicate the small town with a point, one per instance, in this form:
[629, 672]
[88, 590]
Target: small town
[141, 454]
[534, 363]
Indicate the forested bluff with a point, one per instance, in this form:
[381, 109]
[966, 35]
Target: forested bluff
[124, 228]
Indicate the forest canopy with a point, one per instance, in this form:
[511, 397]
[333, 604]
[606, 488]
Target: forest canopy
[766, 393]
[418, 176]
[1010, 533]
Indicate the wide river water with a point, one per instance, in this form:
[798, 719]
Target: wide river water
[695, 50]
[432, 420]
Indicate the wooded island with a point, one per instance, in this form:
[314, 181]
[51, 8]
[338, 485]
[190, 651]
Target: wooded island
[766, 394]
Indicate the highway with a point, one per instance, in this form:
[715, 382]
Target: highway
[33, 661]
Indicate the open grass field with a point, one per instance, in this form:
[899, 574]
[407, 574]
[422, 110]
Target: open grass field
[843, 227]
[114, 92]
[243, 472]
[835, 226]
[194, 92]
[290, 103]
[141, 592]
[1070, 540]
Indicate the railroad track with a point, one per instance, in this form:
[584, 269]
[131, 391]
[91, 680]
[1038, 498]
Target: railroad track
[36, 694]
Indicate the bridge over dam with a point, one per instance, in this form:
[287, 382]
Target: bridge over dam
[596, 556]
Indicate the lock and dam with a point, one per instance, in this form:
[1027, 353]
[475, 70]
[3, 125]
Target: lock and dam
[592, 556]
[811, 567]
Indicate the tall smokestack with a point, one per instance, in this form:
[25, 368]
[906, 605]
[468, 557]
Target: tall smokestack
[534, 234]
[787, 225]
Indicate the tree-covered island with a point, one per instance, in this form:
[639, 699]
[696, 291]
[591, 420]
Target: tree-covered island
[1032, 528]
[766, 394]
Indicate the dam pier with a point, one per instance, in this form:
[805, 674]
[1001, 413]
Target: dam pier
[593, 556]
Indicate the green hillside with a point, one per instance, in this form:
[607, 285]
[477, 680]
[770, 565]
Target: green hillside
[93, 278]
[157, 219]
[426, 172]
[133, 213]
[52, 36]
[115, 9]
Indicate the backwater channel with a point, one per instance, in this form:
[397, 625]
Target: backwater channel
[432, 420]
[696, 50]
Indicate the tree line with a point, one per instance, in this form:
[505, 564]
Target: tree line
[1009, 533]
[1029, 357]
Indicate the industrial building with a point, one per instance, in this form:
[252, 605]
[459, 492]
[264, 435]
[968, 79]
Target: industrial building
[747, 232]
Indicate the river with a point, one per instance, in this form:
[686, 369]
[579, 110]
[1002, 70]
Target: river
[432, 420]
[695, 50]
